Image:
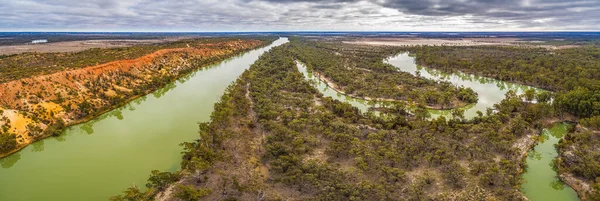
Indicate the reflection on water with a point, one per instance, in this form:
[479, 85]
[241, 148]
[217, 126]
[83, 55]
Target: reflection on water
[361, 104]
[9, 161]
[540, 176]
[490, 91]
[98, 159]
[557, 184]
[61, 138]
[534, 155]
[38, 146]
[88, 128]
[542, 184]
[162, 91]
[119, 114]
[137, 101]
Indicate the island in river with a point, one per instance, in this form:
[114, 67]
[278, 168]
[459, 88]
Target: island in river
[273, 136]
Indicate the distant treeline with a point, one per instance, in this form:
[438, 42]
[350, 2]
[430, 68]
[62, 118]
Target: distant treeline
[13, 67]
[359, 70]
[274, 137]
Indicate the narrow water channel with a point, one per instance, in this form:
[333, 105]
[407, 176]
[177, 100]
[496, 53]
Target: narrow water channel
[541, 185]
[361, 104]
[541, 180]
[490, 91]
[100, 158]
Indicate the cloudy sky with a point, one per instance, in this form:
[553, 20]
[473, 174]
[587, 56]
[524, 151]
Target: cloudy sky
[292, 15]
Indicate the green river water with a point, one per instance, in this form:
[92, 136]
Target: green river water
[490, 91]
[100, 158]
[542, 183]
[361, 104]
[540, 175]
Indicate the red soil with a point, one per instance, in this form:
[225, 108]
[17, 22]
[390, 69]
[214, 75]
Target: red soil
[46, 83]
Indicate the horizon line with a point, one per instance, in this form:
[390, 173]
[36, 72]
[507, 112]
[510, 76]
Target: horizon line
[312, 31]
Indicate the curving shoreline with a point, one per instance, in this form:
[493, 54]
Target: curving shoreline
[330, 84]
[120, 148]
[101, 69]
[482, 89]
[528, 144]
[539, 184]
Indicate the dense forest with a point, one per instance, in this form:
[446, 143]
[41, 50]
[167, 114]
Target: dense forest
[555, 70]
[573, 73]
[579, 156]
[359, 70]
[274, 137]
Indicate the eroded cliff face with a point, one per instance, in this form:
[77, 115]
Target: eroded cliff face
[274, 137]
[37, 107]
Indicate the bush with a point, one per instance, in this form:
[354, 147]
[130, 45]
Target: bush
[160, 180]
[8, 142]
[190, 193]
[592, 122]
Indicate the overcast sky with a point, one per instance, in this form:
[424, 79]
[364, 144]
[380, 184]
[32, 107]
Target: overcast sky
[292, 15]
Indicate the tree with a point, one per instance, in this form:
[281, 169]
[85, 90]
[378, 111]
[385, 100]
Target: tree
[544, 97]
[581, 102]
[8, 142]
[592, 122]
[529, 95]
[594, 193]
[84, 108]
[458, 114]
[132, 194]
[454, 175]
[190, 193]
[160, 180]
[421, 112]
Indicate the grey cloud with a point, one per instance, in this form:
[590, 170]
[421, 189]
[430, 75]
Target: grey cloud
[524, 12]
[558, 13]
[239, 15]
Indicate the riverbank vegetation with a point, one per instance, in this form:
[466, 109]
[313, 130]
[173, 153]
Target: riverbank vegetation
[573, 73]
[43, 105]
[555, 70]
[18, 66]
[274, 137]
[359, 71]
[580, 160]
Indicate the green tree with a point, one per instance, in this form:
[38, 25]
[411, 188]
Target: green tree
[8, 142]
[544, 97]
[132, 194]
[190, 193]
[160, 180]
[529, 94]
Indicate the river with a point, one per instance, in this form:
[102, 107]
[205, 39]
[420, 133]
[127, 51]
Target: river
[490, 91]
[361, 104]
[542, 183]
[100, 158]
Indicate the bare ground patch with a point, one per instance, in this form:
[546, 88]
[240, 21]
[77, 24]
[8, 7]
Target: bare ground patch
[453, 42]
[75, 46]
